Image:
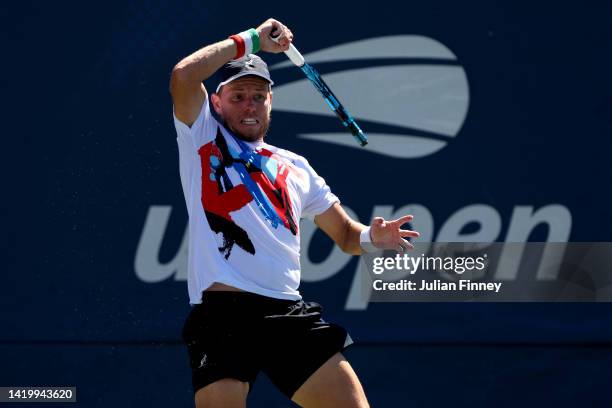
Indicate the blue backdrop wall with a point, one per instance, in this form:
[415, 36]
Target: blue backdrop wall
[477, 113]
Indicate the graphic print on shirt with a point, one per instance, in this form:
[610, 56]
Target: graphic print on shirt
[220, 197]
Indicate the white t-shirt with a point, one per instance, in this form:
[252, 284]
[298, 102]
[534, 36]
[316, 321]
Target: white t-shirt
[231, 240]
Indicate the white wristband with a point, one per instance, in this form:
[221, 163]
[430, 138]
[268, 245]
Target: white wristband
[365, 241]
[248, 42]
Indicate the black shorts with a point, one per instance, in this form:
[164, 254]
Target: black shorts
[237, 334]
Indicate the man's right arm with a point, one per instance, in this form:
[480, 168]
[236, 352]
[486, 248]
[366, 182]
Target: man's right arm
[186, 87]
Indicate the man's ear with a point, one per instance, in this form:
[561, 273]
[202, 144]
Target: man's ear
[216, 101]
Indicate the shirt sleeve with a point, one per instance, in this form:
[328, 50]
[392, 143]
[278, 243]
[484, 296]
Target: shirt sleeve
[319, 198]
[200, 132]
[189, 140]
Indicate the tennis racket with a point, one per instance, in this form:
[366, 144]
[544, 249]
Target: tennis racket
[313, 75]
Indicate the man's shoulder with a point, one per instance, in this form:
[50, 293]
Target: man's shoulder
[203, 129]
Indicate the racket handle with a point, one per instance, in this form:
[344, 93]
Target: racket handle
[292, 53]
[295, 56]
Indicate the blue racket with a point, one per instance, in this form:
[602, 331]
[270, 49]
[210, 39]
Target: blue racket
[313, 75]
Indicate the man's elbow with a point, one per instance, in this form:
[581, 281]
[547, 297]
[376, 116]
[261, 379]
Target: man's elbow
[179, 77]
[181, 69]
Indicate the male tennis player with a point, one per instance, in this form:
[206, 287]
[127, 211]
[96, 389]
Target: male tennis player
[245, 199]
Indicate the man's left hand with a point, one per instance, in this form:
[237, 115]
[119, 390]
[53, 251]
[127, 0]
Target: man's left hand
[389, 235]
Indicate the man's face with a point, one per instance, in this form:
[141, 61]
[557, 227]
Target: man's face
[245, 105]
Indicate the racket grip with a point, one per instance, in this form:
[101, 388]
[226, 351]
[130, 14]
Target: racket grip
[292, 53]
[295, 56]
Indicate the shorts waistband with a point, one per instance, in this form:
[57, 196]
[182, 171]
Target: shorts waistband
[245, 301]
[213, 295]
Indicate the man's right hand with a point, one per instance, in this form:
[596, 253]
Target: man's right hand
[283, 36]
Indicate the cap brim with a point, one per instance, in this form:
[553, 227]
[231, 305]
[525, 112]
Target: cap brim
[239, 75]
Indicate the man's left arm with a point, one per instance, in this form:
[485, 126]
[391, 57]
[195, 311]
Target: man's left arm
[345, 231]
